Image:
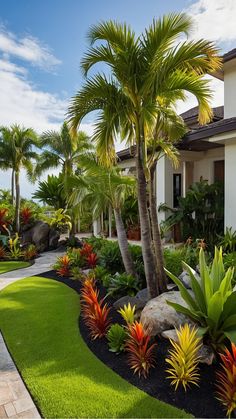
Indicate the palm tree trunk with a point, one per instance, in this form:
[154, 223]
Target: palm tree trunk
[17, 209]
[148, 256]
[13, 186]
[156, 236]
[123, 244]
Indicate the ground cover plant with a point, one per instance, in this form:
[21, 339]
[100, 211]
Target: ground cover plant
[85, 387]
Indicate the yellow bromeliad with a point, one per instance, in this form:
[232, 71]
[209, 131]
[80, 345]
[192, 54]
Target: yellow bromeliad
[127, 312]
[183, 358]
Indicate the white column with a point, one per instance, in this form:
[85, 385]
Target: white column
[96, 227]
[110, 221]
[184, 179]
[230, 185]
[164, 185]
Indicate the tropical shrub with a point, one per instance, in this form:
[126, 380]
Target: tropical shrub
[94, 311]
[5, 221]
[173, 260]
[226, 380]
[86, 250]
[123, 284]
[116, 337]
[110, 257]
[63, 265]
[76, 274]
[140, 351]
[127, 313]
[228, 240]
[213, 302]
[30, 252]
[96, 242]
[136, 254]
[60, 220]
[183, 358]
[76, 259]
[26, 215]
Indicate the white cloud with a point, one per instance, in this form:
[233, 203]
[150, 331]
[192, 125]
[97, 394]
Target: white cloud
[214, 19]
[28, 48]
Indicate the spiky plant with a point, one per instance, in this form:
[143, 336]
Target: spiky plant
[92, 260]
[140, 352]
[183, 358]
[116, 337]
[127, 312]
[86, 250]
[3, 253]
[63, 265]
[226, 380]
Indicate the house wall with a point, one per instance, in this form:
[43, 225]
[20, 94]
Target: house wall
[230, 185]
[229, 89]
[205, 166]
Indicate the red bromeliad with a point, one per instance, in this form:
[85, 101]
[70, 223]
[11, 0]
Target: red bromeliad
[94, 311]
[226, 386]
[4, 221]
[92, 260]
[26, 215]
[140, 352]
[86, 250]
[63, 266]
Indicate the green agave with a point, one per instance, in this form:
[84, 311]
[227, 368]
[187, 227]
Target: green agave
[212, 304]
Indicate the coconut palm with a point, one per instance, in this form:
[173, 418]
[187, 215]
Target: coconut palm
[7, 155]
[145, 72]
[99, 188]
[62, 149]
[51, 192]
[20, 143]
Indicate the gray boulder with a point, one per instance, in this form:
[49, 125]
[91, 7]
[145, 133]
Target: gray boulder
[185, 278]
[157, 316]
[39, 235]
[53, 238]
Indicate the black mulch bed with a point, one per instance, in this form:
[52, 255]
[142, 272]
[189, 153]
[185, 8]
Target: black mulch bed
[199, 401]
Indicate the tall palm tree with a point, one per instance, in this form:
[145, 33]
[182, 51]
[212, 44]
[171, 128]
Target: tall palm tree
[62, 149]
[99, 188]
[7, 155]
[145, 72]
[51, 192]
[20, 142]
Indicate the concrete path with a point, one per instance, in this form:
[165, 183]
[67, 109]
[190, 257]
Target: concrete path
[15, 400]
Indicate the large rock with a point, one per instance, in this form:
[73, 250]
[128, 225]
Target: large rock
[53, 238]
[185, 278]
[158, 316]
[39, 235]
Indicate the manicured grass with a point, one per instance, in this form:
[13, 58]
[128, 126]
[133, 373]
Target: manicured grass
[39, 320]
[12, 266]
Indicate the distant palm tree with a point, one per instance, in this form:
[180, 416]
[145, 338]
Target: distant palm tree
[51, 192]
[18, 143]
[146, 72]
[98, 188]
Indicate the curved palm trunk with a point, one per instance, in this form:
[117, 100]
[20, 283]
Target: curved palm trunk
[17, 208]
[156, 236]
[13, 186]
[123, 243]
[148, 256]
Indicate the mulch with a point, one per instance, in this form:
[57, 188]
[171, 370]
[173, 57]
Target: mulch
[199, 401]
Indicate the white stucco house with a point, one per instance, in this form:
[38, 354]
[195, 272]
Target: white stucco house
[207, 152]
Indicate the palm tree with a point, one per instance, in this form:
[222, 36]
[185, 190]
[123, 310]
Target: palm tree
[20, 142]
[7, 155]
[51, 192]
[62, 149]
[145, 72]
[99, 188]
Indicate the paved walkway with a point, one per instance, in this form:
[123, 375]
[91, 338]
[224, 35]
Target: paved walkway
[15, 400]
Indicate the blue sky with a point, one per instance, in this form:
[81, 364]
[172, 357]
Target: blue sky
[43, 41]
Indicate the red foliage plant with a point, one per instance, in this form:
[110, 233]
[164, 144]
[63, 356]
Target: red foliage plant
[30, 252]
[92, 260]
[63, 266]
[26, 215]
[86, 250]
[4, 221]
[3, 253]
[226, 384]
[140, 352]
[94, 311]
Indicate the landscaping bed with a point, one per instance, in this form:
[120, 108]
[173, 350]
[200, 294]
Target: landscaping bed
[199, 401]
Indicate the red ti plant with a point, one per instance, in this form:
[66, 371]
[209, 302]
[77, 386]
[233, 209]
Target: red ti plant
[226, 380]
[63, 266]
[4, 220]
[86, 250]
[140, 352]
[26, 215]
[92, 260]
[94, 311]
[3, 253]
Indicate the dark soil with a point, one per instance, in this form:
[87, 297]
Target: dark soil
[199, 401]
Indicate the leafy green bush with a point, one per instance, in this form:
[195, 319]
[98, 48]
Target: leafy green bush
[123, 284]
[228, 240]
[76, 259]
[96, 242]
[102, 275]
[173, 260]
[136, 254]
[213, 303]
[110, 257]
[116, 336]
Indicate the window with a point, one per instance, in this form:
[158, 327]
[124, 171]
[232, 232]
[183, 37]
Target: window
[176, 189]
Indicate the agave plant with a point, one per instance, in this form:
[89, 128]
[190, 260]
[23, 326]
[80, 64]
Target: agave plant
[212, 305]
[183, 358]
[226, 380]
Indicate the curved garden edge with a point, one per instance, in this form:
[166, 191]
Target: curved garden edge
[64, 377]
[156, 385]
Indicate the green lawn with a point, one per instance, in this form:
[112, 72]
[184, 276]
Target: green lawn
[39, 320]
[12, 266]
